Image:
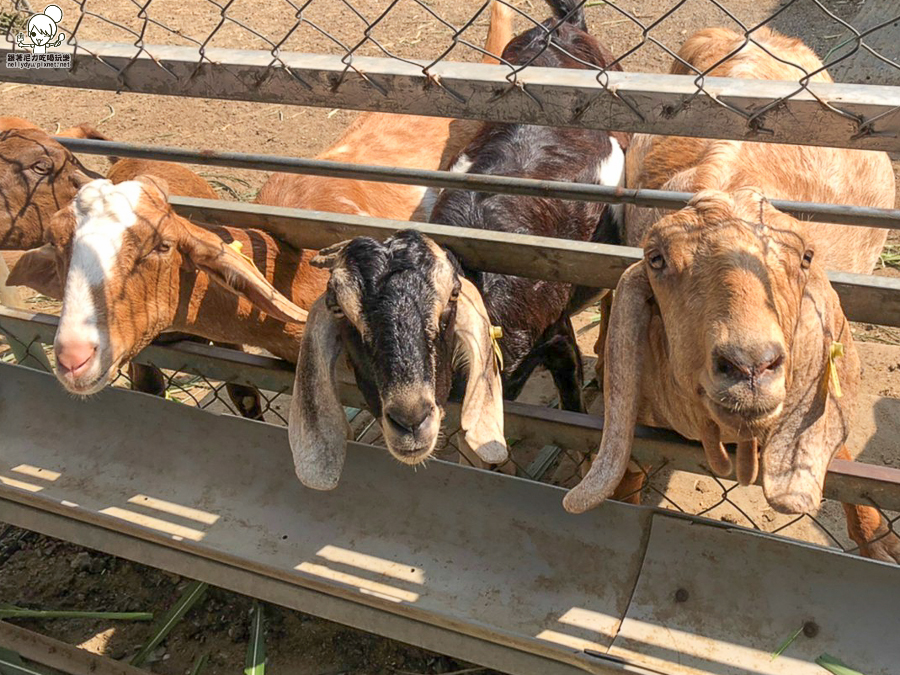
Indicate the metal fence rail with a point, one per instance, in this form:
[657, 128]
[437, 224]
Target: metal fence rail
[186, 58]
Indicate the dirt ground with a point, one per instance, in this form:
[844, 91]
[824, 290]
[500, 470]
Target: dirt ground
[39, 572]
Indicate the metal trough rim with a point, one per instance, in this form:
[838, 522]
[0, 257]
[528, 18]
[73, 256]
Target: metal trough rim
[463, 635]
[851, 482]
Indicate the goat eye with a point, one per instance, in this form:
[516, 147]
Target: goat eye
[336, 310]
[807, 259]
[454, 294]
[163, 247]
[42, 166]
[656, 260]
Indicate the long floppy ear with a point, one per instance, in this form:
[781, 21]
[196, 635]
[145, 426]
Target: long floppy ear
[230, 268]
[317, 426]
[628, 325]
[38, 269]
[482, 407]
[816, 421]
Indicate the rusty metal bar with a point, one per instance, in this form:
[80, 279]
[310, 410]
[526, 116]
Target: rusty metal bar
[853, 482]
[663, 199]
[59, 655]
[865, 298]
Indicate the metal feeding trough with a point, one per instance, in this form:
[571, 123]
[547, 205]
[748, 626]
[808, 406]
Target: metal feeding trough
[477, 565]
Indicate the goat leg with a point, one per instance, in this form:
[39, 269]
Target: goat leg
[869, 529]
[147, 379]
[246, 399]
[629, 488]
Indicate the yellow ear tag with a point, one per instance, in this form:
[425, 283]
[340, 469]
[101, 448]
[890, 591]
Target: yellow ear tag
[496, 334]
[239, 249]
[836, 351]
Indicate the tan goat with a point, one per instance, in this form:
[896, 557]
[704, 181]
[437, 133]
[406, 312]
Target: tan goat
[387, 139]
[728, 331]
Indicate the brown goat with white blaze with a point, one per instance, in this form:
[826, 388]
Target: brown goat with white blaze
[729, 330]
[133, 268]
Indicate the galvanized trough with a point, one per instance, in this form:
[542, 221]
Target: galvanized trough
[476, 565]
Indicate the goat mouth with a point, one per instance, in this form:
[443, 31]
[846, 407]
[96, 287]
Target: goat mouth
[743, 417]
[90, 383]
[413, 456]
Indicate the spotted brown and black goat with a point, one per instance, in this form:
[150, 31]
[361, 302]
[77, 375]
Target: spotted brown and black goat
[416, 325]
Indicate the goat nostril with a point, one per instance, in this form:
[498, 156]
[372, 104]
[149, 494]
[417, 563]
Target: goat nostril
[748, 363]
[728, 368]
[772, 365]
[408, 421]
[74, 357]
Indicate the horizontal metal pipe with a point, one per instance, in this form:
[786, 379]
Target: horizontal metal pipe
[529, 187]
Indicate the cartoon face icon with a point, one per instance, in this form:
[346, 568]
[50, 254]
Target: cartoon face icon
[42, 29]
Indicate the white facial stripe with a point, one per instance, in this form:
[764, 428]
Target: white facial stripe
[611, 171]
[103, 213]
[462, 164]
[426, 205]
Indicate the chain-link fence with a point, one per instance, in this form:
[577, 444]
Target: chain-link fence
[685, 484]
[162, 46]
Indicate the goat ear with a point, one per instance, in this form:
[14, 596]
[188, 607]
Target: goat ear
[482, 408]
[225, 265]
[83, 131]
[156, 183]
[38, 269]
[328, 257]
[317, 427]
[817, 416]
[628, 325]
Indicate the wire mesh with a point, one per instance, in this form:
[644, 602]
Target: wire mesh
[853, 39]
[869, 530]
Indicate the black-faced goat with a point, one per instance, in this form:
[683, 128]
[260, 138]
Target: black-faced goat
[416, 325]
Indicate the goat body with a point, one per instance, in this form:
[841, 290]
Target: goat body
[533, 314]
[387, 139]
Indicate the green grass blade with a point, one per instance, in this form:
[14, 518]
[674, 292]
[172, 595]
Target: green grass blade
[255, 663]
[188, 599]
[835, 667]
[19, 613]
[787, 643]
[12, 664]
[199, 664]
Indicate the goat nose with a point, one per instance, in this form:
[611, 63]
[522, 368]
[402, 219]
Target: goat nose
[748, 363]
[409, 418]
[73, 356]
